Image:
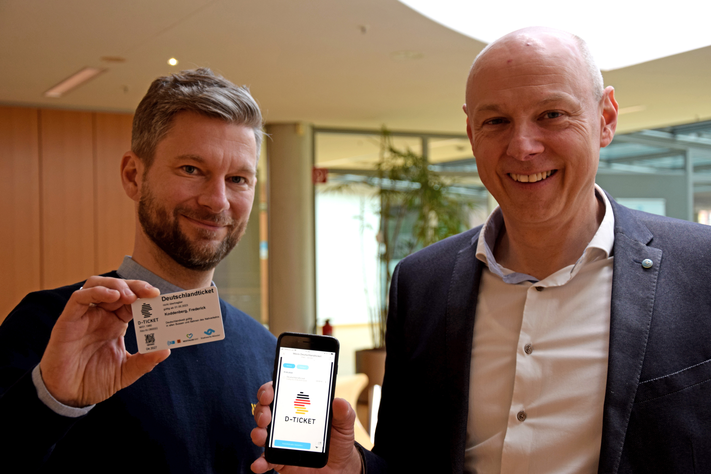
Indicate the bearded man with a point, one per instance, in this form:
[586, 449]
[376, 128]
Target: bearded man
[72, 386]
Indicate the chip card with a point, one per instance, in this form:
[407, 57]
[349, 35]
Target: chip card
[178, 319]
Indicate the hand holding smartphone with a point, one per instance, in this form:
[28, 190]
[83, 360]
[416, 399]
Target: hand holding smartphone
[305, 370]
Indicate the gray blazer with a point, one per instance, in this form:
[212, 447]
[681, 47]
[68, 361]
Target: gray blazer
[657, 414]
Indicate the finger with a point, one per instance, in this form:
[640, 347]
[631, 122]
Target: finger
[262, 415]
[265, 394]
[137, 365]
[261, 465]
[128, 289]
[142, 289]
[84, 298]
[259, 436]
[108, 299]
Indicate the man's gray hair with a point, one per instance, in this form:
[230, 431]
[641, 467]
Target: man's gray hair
[200, 91]
[595, 75]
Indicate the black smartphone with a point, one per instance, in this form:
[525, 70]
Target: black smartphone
[305, 369]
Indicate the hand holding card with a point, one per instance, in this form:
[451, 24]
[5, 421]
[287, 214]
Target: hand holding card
[86, 361]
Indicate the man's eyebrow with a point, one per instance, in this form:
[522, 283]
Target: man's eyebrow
[199, 159]
[191, 157]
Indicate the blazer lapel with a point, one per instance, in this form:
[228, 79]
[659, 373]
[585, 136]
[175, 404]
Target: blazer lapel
[459, 329]
[633, 291]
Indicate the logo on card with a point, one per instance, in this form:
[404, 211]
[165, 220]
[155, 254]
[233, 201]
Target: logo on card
[190, 336]
[210, 332]
[301, 403]
[146, 310]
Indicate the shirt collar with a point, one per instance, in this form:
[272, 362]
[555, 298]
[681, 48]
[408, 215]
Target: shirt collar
[130, 270]
[599, 247]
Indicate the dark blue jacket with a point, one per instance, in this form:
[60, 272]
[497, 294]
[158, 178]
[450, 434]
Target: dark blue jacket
[657, 413]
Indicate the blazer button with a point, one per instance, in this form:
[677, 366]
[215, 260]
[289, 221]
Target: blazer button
[647, 263]
[528, 348]
[521, 416]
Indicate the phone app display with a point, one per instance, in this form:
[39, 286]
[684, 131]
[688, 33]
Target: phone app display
[303, 391]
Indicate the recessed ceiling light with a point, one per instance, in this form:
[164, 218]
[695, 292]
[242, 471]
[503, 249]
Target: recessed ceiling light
[173, 61]
[73, 81]
[640, 34]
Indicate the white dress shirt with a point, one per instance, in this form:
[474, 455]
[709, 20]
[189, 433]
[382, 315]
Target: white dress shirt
[539, 361]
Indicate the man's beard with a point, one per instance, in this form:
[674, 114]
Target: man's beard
[166, 234]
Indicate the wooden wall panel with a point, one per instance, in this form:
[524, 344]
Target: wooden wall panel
[115, 221]
[67, 180]
[19, 197]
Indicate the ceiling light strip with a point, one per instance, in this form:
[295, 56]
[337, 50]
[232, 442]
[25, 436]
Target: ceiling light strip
[73, 81]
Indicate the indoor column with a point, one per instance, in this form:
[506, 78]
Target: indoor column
[292, 280]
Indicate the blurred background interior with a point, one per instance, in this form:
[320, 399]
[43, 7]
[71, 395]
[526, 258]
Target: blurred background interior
[330, 76]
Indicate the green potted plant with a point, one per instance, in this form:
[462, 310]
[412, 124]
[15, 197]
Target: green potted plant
[417, 208]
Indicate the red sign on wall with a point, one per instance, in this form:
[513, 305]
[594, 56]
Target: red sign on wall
[319, 175]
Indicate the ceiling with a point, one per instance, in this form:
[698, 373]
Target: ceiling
[334, 63]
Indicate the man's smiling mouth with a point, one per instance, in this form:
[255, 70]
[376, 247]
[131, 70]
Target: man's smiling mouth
[531, 178]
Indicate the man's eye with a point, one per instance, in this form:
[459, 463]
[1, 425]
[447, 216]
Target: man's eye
[236, 179]
[494, 121]
[189, 169]
[552, 115]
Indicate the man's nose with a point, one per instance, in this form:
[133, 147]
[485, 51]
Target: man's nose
[214, 195]
[525, 142]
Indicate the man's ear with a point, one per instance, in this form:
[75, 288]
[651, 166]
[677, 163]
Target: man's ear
[610, 111]
[132, 175]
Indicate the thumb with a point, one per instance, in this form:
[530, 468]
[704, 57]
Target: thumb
[343, 415]
[343, 454]
[137, 365]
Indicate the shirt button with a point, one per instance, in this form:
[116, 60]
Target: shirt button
[528, 348]
[539, 288]
[521, 416]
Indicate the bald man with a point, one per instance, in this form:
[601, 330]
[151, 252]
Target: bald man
[567, 334]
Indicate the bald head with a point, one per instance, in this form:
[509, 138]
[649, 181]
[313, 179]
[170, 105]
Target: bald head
[541, 40]
[537, 118]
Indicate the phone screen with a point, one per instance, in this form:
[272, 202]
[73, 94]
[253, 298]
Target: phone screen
[302, 385]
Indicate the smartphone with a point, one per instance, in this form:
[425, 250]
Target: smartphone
[305, 369]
